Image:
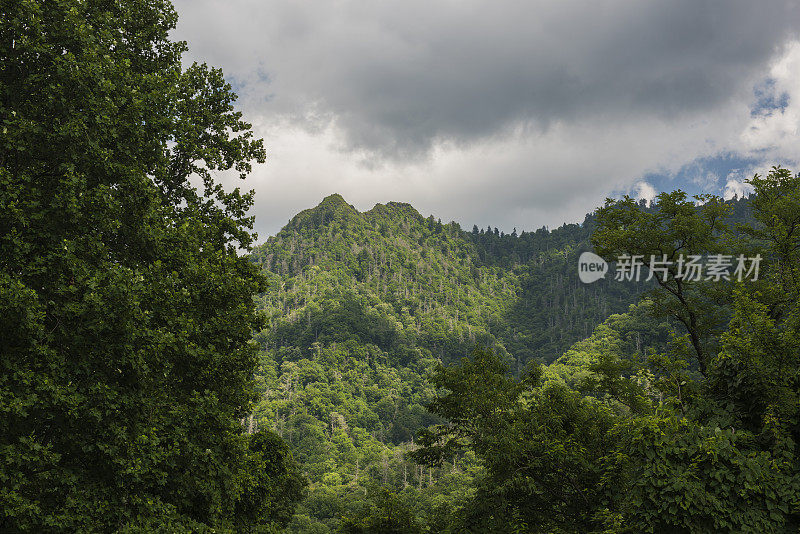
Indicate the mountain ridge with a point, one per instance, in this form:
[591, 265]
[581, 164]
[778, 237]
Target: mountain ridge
[363, 307]
[392, 252]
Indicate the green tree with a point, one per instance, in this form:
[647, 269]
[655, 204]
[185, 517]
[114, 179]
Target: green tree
[648, 446]
[675, 228]
[126, 311]
[728, 460]
[272, 487]
[543, 447]
[384, 513]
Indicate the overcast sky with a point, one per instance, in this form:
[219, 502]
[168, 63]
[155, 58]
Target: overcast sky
[509, 114]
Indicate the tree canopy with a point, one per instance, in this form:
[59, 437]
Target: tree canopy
[127, 312]
[616, 439]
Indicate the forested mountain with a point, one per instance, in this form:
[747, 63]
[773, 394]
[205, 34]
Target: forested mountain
[375, 372]
[363, 307]
[682, 415]
[447, 289]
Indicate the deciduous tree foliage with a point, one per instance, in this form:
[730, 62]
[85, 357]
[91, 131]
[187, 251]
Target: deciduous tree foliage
[676, 228]
[642, 444]
[363, 305]
[125, 311]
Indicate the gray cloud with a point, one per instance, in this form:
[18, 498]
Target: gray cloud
[504, 113]
[399, 76]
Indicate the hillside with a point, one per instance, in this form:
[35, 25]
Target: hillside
[438, 288]
[363, 306]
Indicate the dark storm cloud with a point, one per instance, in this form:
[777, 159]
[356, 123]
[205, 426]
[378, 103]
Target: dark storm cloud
[398, 76]
[510, 113]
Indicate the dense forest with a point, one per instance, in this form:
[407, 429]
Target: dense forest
[375, 372]
[126, 311]
[365, 308]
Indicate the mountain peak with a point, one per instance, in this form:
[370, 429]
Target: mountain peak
[393, 210]
[333, 200]
[332, 207]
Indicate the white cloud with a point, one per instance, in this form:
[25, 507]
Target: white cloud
[518, 179]
[706, 180]
[645, 191]
[777, 131]
[520, 116]
[736, 189]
